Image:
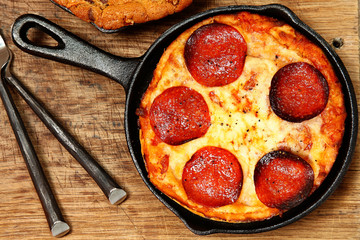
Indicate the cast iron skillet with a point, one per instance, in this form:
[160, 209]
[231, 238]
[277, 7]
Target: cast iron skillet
[134, 74]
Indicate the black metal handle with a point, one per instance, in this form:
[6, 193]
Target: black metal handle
[52, 211]
[72, 50]
[110, 188]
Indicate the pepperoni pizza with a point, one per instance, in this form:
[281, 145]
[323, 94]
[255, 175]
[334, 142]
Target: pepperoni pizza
[243, 118]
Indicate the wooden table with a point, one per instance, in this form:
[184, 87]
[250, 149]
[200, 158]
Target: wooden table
[91, 107]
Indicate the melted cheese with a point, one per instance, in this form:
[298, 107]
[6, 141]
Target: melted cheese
[241, 118]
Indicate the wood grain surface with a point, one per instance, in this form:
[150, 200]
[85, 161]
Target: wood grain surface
[91, 107]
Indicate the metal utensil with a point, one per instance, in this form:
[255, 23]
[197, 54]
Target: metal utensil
[52, 211]
[136, 74]
[111, 189]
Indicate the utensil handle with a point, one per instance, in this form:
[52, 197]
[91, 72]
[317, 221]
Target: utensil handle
[72, 50]
[110, 188]
[52, 211]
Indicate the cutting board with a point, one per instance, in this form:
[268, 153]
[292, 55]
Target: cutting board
[91, 108]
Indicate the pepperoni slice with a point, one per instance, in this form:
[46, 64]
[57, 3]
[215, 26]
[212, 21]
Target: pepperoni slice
[212, 177]
[178, 115]
[298, 92]
[215, 54]
[282, 180]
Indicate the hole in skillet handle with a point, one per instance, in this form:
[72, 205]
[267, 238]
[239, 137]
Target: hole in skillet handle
[204, 226]
[72, 50]
[26, 24]
[35, 34]
[41, 39]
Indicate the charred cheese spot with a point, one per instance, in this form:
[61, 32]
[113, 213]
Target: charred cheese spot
[164, 164]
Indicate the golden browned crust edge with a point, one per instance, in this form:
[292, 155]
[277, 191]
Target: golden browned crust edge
[115, 14]
[333, 116]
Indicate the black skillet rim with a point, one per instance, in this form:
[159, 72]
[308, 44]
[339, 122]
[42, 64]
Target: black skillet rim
[203, 226]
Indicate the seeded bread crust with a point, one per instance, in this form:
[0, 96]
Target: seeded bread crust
[114, 14]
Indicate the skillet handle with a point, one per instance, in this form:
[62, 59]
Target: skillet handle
[72, 50]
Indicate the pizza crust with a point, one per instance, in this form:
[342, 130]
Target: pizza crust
[114, 14]
[241, 117]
